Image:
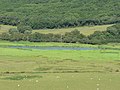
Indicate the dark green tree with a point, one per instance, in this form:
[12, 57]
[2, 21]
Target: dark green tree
[24, 29]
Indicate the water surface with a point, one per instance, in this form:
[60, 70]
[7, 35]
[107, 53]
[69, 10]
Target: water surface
[52, 48]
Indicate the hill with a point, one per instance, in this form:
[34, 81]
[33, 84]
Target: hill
[59, 13]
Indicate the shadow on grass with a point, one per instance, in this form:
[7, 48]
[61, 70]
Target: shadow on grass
[21, 77]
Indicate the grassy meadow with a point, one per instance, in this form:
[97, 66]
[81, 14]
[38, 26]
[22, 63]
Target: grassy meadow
[86, 30]
[5, 28]
[30, 69]
[34, 61]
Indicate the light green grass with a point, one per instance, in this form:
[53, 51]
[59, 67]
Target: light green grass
[5, 28]
[86, 30]
[29, 69]
[64, 54]
[25, 43]
[65, 82]
[110, 53]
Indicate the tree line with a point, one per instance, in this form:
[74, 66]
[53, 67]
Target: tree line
[40, 14]
[24, 33]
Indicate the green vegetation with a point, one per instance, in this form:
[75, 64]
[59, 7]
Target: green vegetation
[22, 77]
[111, 35]
[59, 13]
[104, 52]
[5, 28]
[66, 81]
[28, 69]
[23, 66]
[86, 30]
[24, 33]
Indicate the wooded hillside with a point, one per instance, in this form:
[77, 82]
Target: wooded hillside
[59, 13]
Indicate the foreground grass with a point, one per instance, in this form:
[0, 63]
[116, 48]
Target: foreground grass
[29, 69]
[71, 81]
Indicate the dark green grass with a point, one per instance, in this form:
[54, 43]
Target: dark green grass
[21, 77]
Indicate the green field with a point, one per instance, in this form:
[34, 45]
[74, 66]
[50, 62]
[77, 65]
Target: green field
[66, 53]
[86, 30]
[5, 28]
[30, 69]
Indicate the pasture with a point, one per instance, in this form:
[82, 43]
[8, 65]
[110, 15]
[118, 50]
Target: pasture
[86, 30]
[31, 69]
[5, 28]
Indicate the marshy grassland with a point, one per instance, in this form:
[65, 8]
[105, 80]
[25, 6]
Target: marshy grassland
[31, 69]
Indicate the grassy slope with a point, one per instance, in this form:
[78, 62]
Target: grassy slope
[86, 30]
[5, 28]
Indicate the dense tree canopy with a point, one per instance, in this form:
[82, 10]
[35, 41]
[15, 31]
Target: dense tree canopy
[59, 13]
[112, 35]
